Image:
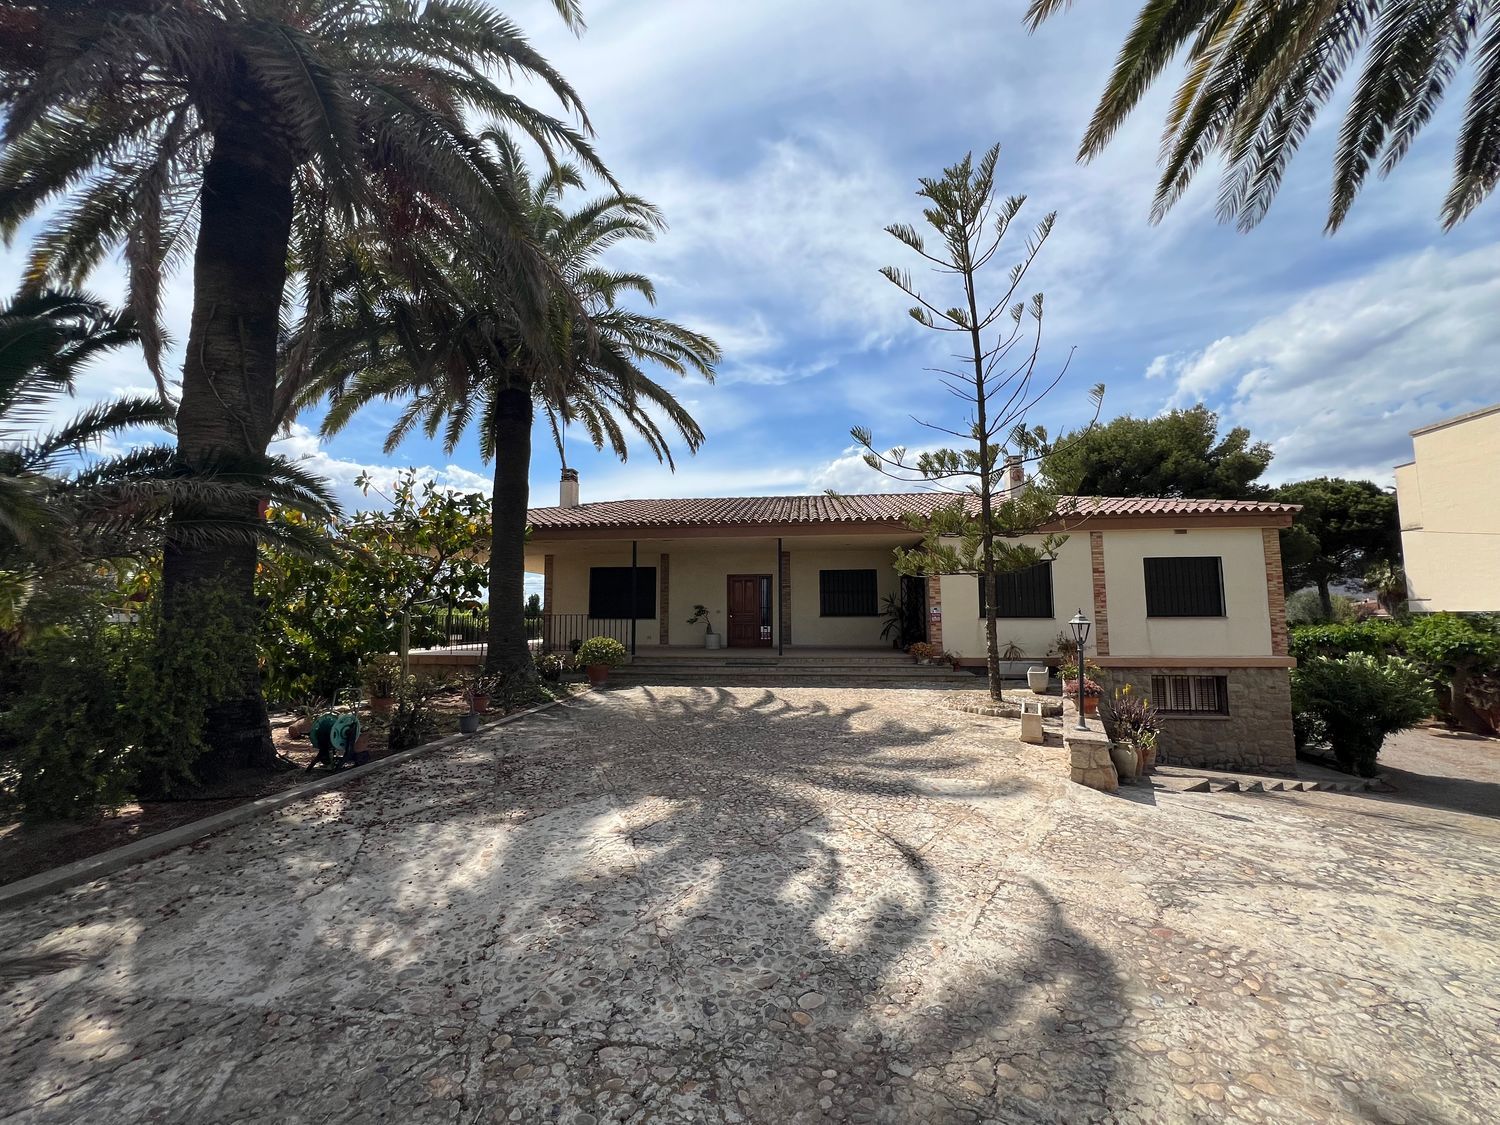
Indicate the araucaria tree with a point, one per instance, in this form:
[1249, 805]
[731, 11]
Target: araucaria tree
[985, 529]
[241, 134]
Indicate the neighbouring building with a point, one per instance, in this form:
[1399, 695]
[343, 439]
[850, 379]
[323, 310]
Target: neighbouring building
[1449, 499]
[1185, 596]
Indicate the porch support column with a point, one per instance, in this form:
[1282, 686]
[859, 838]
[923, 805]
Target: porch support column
[548, 607]
[784, 593]
[780, 600]
[634, 591]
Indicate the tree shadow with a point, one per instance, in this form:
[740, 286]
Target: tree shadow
[716, 906]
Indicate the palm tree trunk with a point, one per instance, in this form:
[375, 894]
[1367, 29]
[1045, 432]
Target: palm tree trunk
[228, 384]
[505, 640]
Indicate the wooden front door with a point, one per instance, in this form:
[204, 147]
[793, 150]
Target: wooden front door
[749, 611]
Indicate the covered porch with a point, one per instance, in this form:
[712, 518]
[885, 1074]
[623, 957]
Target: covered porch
[788, 595]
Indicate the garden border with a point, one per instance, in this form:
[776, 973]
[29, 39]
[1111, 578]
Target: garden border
[105, 863]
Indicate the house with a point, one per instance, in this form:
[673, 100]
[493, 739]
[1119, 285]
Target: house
[1185, 596]
[1448, 496]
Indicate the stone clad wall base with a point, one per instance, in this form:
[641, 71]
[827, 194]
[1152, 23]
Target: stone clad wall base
[1256, 735]
[1089, 762]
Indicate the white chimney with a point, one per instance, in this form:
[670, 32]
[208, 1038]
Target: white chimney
[568, 497]
[1015, 479]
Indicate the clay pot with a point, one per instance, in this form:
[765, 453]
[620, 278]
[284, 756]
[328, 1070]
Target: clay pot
[1090, 704]
[1125, 760]
[481, 703]
[598, 673]
[382, 704]
[301, 728]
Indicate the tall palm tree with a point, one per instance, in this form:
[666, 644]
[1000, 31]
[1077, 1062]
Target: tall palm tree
[259, 126]
[1259, 71]
[457, 350]
[59, 506]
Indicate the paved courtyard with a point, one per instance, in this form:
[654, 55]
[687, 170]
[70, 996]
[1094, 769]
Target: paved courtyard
[770, 906]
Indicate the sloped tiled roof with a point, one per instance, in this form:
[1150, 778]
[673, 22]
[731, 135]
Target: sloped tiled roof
[882, 508]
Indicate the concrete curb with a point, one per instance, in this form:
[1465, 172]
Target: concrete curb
[94, 866]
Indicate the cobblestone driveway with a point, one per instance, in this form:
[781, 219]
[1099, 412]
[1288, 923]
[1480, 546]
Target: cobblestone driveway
[688, 905]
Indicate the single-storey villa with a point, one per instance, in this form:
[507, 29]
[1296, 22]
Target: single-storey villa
[1186, 596]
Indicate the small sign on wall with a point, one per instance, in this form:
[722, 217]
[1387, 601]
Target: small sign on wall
[935, 613]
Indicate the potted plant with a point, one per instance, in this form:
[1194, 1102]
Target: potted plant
[380, 676]
[1091, 693]
[1126, 761]
[710, 638]
[598, 655]
[921, 652]
[477, 691]
[551, 666]
[1013, 661]
[1129, 717]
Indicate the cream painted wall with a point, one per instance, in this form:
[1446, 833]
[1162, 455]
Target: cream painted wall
[571, 579]
[700, 576]
[808, 627]
[1245, 628]
[1450, 516]
[1072, 589]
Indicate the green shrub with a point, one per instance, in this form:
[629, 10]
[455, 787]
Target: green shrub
[602, 650]
[60, 734]
[1376, 637]
[413, 720]
[1352, 702]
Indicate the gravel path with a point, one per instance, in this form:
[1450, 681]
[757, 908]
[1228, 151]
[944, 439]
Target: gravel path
[681, 904]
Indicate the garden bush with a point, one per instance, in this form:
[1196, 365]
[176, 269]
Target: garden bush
[601, 650]
[1353, 702]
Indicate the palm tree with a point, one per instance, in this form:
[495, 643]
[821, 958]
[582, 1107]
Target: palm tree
[457, 350]
[261, 127]
[1259, 71]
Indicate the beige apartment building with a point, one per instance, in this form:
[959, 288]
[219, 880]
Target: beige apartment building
[1449, 500]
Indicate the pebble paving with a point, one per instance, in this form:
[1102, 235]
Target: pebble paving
[783, 905]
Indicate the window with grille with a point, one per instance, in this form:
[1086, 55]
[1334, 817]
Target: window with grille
[847, 593]
[1190, 695]
[609, 592]
[1021, 593]
[1185, 587]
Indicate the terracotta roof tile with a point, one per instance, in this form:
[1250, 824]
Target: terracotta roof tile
[730, 511]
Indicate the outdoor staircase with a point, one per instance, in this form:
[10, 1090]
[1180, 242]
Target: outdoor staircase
[1181, 779]
[805, 668]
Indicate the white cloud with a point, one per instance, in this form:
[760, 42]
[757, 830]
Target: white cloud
[1336, 378]
[302, 445]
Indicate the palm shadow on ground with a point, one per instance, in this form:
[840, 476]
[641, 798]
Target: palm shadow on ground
[707, 906]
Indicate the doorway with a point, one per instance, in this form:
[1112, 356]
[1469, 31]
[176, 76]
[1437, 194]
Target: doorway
[749, 611]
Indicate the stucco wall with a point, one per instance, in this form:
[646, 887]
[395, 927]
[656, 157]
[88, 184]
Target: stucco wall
[1245, 628]
[571, 581]
[1072, 589]
[700, 577]
[1450, 516]
[811, 629]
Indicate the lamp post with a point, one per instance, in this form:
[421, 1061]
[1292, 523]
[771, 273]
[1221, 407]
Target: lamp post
[1080, 625]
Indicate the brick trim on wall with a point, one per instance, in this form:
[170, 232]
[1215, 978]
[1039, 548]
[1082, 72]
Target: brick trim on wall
[1275, 589]
[935, 601]
[784, 609]
[663, 601]
[1101, 594]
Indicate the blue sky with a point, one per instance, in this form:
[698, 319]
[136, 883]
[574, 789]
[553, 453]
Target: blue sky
[780, 137]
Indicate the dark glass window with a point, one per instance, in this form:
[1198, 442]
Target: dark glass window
[1021, 593]
[847, 593]
[609, 592]
[1185, 587]
[1191, 695]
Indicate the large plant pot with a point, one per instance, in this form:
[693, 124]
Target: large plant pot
[598, 673]
[468, 724]
[1127, 765]
[382, 704]
[1146, 759]
[713, 640]
[481, 703]
[1038, 679]
[1090, 704]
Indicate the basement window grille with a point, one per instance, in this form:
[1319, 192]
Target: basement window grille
[1190, 695]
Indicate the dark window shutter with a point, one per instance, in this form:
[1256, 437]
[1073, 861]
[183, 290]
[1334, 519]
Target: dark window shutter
[1185, 587]
[1021, 593]
[609, 592]
[847, 593]
[1190, 695]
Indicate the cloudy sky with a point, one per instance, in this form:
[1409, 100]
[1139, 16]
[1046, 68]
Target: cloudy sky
[780, 137]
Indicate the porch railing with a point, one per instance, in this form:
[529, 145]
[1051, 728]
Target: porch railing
[466, 629]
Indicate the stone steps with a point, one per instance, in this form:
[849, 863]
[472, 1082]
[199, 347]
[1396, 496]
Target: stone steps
[1266, 785]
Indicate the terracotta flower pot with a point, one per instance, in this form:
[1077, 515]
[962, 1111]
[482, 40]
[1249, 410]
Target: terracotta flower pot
[481, 703]
[300, 728]
[1090, 704]
[382, 704]
[598, 673]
